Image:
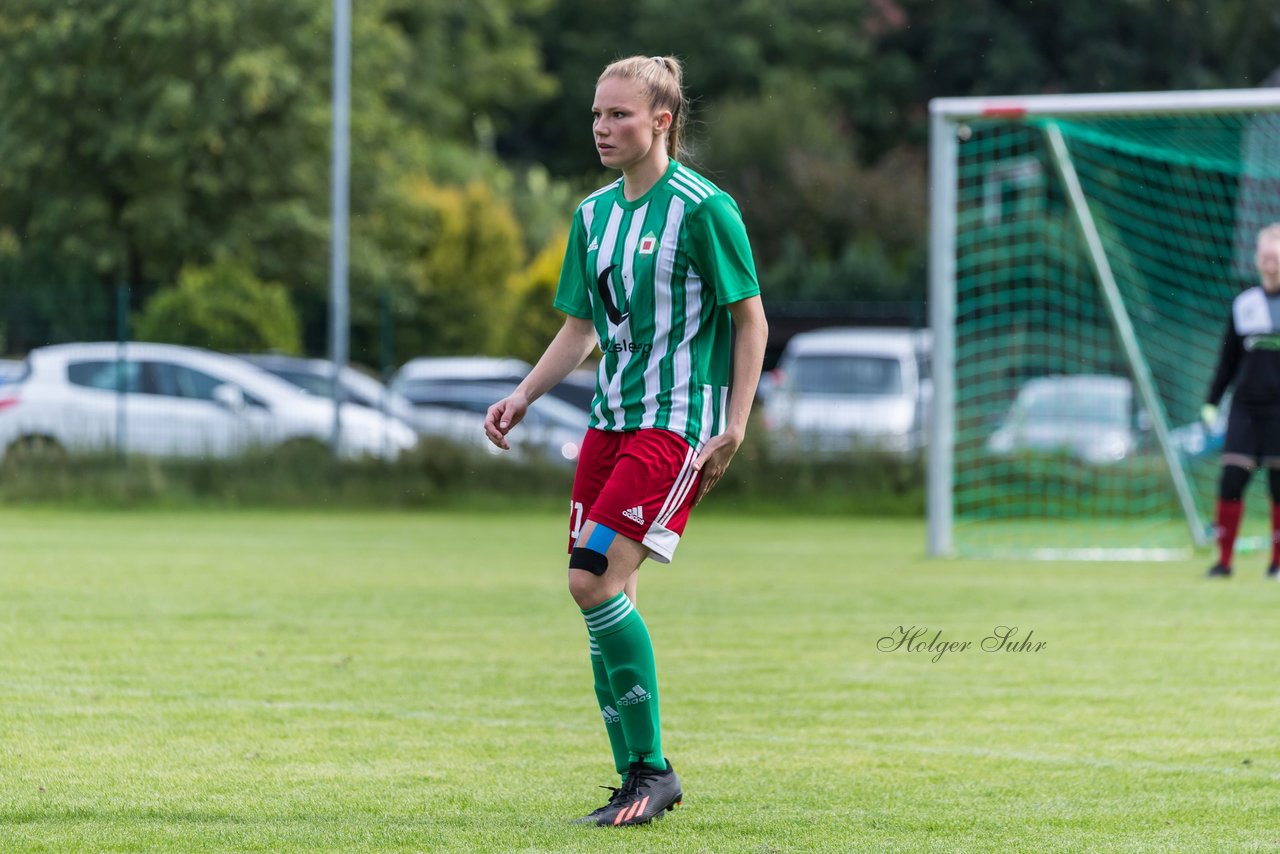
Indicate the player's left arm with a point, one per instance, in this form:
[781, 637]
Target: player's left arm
[748, 358]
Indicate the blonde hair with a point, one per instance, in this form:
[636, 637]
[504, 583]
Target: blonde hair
[659, 77]
[1271, 232]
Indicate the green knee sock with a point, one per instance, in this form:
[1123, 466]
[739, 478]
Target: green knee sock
[612, 720]
[627, 652]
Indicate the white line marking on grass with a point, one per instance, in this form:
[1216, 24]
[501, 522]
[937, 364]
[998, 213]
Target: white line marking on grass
[1088, 761]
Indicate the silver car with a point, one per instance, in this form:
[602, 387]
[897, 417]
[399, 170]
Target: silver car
[1090, 417]
[841, 390]
[167, 400]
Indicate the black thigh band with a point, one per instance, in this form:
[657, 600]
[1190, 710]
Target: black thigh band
[589, 559]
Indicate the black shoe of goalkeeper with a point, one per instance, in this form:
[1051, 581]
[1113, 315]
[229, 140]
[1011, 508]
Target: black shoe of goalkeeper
[1218, 571]
[1273, 572]
[646, 795]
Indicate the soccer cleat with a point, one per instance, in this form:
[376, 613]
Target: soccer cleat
[1273, 572]
[1218, 570]
[646, 795]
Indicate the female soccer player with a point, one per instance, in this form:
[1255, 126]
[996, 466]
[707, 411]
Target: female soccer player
[657, 271]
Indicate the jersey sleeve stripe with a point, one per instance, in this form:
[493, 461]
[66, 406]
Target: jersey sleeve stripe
[679, 181]
[697, 180]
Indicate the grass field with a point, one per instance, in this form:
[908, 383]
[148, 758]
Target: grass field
[419, 682]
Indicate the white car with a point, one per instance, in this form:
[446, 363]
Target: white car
[1089, 417]
[837, 391]
[10, 370]
[171, 401]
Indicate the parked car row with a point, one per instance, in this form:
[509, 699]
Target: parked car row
[835, 392]
[173, 401]
[166, 400]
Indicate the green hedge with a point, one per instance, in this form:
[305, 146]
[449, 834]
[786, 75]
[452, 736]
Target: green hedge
[437, 476]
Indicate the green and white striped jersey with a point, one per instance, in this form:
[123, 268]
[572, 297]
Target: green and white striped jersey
[654, 276]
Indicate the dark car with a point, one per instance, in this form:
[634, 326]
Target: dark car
[315, 376]
[551, 430]
[430, 372]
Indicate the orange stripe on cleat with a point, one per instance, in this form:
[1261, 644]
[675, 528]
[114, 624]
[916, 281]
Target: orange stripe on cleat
[640, 809]
[632, 811]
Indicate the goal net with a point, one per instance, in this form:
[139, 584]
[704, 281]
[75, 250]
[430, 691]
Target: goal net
[1084, 254]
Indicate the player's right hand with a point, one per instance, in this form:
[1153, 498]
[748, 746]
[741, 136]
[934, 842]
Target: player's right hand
[1209, 415]
[502, 416]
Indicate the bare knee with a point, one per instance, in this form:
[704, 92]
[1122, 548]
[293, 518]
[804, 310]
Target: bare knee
[586, 589]
[602, 564]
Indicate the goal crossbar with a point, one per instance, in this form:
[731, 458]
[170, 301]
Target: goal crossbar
[1195, 101]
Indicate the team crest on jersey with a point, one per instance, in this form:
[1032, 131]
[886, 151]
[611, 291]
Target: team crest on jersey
[648, 243]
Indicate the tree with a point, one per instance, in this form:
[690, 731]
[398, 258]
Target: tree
[140, 137]
[805, 103]
[467, 64]
[731, 48]
[1011, 47]
[532, 320]
[464, 250]
[776, 122]
[222, 307]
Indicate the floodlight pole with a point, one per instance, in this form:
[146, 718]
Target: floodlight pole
[340, 172]
[122, 338]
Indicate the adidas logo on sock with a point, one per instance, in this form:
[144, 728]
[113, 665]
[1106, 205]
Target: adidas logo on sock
[635, 514]
[611, 715]
[635, 697]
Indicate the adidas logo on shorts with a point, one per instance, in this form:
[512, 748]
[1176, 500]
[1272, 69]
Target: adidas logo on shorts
[635, 514]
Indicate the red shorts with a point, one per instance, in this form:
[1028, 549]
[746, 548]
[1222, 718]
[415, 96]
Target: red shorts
[640, 483]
